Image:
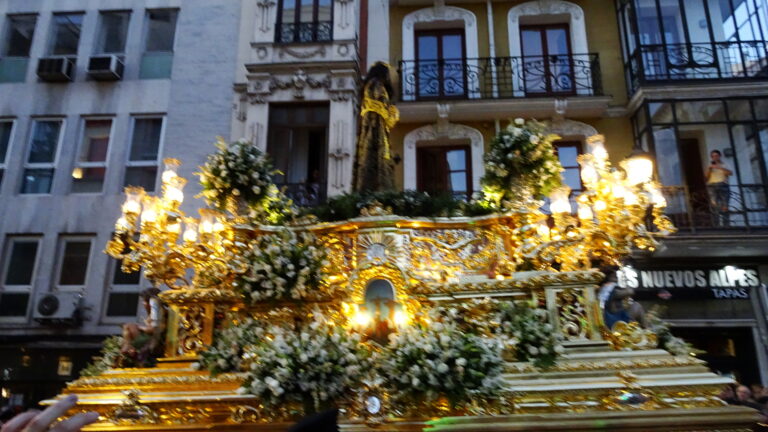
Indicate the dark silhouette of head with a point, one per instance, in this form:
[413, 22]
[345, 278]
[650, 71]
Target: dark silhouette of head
[380, 71]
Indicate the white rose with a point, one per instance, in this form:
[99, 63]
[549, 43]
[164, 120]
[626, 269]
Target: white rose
[534, 139]
[442, 368]
[519, 121]
[461, 361]
[533, 350]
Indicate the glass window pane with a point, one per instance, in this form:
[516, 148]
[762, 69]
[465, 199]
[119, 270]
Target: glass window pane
[557, 41]
[88, 180]
[123, 304]
[45, 139]
[459, 181]
[146, 139]
[648, 22]
[289, 11]
[749, 154]
[457, 160]
[427, 47]
[21, 29]
[161, 30]
[661, 112]
[122, 278]
[74, 263]
[145, 177]
[760, 107]
[324, 10]
[95, 141]
[5, 139]
[13, 304]
[739, 110]
[567, 155]
[700, 111]
[572, 178]
[21, 262]
[37, 181]
[667, 159]
[114, 29]
[66, 33]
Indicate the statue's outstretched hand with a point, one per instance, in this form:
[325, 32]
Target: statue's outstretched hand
[36, 421]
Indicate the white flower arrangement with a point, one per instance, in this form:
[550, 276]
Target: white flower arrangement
[528, 330]
[236, 173]
[317, 365]
[521, 157]
[425, 363]
[283, 265]
[226, 353]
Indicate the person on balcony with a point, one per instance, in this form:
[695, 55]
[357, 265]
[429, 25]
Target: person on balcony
[717, 185]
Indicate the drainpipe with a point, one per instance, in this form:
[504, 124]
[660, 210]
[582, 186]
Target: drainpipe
[492, 48]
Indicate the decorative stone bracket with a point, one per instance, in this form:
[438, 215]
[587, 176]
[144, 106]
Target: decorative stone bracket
[340, 85]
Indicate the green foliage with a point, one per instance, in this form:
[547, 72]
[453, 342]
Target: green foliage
[110, 357]
[408, 203]
[521, 157]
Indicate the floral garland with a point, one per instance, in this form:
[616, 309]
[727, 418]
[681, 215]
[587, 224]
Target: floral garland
[226, 354]
[425, 363]
[521, 157]
[316, 365]
[110, 357]
[237, 173]
[283, 265]
[530, 333]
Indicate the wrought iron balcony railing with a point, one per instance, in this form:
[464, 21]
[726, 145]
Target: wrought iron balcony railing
[737, 208]
[697, 61]
[304, 194]
[501, 77]
[317, 31]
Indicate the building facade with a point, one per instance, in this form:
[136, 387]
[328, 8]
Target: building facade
[676, 79]
[93, 95]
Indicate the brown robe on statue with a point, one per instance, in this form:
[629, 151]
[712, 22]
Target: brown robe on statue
[374, 169]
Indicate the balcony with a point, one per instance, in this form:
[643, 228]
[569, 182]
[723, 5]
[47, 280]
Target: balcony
[500, 78]
[316, 31]
[667, 63]
[694, 211]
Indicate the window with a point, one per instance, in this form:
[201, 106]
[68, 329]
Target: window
[304, 21]
[65, 34]
[568, 153]
[687, 137]
[17, 275]
[6, 128]
[14, 57]
[144, 153]
[158, 45]
[113, 32]
[91, 164]
[74, 253]
[123, 292]
[440, 63]
[41, 159]
[547, 60]
[444, 169]
[298, 146]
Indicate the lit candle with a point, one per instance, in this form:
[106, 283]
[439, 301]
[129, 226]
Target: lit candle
[149, 214]
[597, 147]
[559, 200]
[171, 166]
[542, 229]
[190, 230]
[600, 205]
[174, 190]
[122, 224]
[207, 219]
[638, 166]
[585, 212]
[133, 197]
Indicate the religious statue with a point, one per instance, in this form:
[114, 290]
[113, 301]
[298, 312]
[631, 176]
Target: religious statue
[142, 343]
[374, 168]
[617, 302]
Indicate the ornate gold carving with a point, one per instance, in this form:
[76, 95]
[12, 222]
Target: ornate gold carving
[572, 314]
[630, 336]
[131, 411]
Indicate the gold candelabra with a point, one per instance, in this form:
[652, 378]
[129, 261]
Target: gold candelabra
[617, 211]
[153, 234]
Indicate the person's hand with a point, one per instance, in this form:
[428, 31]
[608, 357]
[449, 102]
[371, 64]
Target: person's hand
[36, 421]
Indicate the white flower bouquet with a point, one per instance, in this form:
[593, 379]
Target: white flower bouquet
[425, 363]
[237, 173]
[226, 353]
[283, 265]
[314, 366]
[528, 331]
[521, 157]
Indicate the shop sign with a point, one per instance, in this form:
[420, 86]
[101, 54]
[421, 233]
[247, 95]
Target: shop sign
[726, 282]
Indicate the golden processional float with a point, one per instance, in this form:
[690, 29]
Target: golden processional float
[489, 320]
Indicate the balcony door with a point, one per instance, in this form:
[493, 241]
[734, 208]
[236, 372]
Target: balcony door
[440, 60]
[547, 63]
[445, 170]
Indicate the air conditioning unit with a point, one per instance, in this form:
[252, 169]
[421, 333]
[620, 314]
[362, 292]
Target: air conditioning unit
[56, 69]
[60, 308]
[106, 67]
